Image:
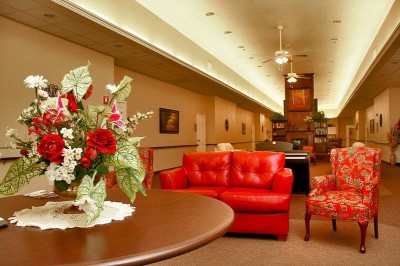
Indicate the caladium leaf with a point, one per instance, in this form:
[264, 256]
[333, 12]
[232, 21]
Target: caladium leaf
[123, 89]
[20, 173]
[130, 181]
[126, 156]
[77, 81]
[91, 197]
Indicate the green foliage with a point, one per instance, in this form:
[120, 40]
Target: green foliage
[77, 81]
[97, 193]
[128, 167]
[277, 116]
[124, 89]
[19, 174]
[319, 115]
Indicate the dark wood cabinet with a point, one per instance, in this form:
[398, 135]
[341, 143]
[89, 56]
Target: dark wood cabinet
[321, 138]
[279, 130]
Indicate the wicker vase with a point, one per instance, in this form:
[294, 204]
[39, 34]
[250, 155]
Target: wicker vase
[71, 193]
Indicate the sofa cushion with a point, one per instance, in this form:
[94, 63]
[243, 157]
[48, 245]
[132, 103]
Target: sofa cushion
[255, 169]
[207, 168]
[255, 200]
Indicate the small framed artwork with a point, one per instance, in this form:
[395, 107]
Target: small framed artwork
[299, 99]
[169, 121]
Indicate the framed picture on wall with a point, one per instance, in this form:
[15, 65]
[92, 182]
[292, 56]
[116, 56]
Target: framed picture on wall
[169, 121]
[299, 99]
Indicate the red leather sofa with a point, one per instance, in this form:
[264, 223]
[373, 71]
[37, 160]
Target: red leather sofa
[254, 184]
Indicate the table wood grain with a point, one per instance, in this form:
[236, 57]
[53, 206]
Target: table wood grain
[165, 224]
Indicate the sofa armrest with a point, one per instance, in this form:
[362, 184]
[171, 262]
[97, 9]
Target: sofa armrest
[173, 179]
[283, 181]
[321, 184]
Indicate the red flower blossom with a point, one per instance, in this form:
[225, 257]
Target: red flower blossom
[91, 153]
[102, 140]
[51, 148]
[85, 162]
[24, 152]
[72, 105]
[88, 92]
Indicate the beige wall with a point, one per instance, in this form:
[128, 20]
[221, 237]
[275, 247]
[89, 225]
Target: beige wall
[386, 104]
[25, 51]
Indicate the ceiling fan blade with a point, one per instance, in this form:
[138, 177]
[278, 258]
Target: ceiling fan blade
[267, 60]
[299, 55]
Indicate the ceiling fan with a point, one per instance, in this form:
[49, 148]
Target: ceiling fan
[292, 77]
[282, 56]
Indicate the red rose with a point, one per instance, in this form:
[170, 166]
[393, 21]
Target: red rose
[51, 148]
[72, 105]
[102, 140]
[85, 162]
[88, 92]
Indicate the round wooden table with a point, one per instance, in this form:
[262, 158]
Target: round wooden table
[165, 224]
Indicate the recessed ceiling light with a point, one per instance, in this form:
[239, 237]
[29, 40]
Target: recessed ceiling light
[210, 14]
[48, 15]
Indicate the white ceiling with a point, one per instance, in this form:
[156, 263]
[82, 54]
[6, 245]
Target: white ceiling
[349, 72]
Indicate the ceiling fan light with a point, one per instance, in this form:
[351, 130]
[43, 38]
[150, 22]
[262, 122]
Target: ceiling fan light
[281, 60]
[292, 80]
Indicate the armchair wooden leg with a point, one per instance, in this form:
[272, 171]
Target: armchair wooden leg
[376, 226]
[334, 224]
[307, 219]
[363, 228]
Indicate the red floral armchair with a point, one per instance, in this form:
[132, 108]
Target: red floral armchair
[350, 193]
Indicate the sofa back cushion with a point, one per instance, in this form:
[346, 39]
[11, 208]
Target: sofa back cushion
[207, 168]
[256, 169]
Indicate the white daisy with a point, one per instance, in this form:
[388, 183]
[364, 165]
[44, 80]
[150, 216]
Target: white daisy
[35, 82]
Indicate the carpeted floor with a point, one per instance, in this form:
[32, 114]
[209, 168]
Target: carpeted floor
[325, 246]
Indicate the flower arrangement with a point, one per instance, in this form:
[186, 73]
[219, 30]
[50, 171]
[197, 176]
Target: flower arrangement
[308, 120]
[71, 146]
[394, 137]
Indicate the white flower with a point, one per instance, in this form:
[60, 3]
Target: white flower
[86, 204]
[11, 132]
[67, 133]
[35, 82]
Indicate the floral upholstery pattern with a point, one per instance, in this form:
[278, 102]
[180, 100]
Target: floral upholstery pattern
[351, 193]
[146, 155]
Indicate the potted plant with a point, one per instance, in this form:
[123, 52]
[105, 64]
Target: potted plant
[320, 115]
[277, 116]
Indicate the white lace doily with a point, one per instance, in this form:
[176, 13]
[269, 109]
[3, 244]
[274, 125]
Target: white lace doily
[51, 216]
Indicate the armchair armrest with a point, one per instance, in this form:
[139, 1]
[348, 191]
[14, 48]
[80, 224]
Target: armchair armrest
[283, 181]
[173, 179]
[371, 194]
[321, 184]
